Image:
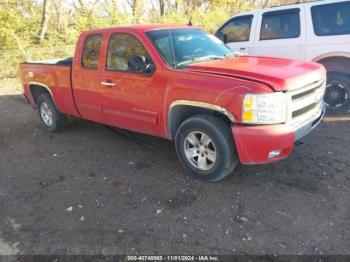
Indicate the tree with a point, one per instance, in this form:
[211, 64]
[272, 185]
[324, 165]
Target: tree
[45, 20]
[161, 7]
[137, 8]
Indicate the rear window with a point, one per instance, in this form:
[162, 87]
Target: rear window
[91, 51]
[331, 19]
[280, 24]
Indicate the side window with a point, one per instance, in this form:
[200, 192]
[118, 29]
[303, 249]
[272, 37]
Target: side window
[280, 24]
[91, 51]
[331, 19]
[161, 39]
[238, 29]
[125, 53]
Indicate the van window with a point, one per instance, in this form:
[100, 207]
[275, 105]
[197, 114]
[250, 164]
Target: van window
[331, 19]
[237, 29]
[91, 51]
[122, 49]
[280, 24]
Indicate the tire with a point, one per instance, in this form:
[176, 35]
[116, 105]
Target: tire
[199, 159]
[50, 117]
[337, 94]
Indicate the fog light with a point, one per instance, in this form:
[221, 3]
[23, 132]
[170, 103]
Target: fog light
[274, 153]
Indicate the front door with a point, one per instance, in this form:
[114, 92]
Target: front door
[132, 95]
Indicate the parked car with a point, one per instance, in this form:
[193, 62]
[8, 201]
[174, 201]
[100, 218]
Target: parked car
[317, 31]
[182, 84]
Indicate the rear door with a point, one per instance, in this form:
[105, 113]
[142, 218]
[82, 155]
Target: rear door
[86, 75]
[281, 33]
[237, 33]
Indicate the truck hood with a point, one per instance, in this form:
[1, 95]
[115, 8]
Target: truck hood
[279, 74]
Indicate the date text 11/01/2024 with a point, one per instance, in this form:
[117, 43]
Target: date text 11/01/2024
[173, 258]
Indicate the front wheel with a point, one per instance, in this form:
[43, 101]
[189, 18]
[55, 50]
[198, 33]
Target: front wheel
[337, 95]
[205, 148]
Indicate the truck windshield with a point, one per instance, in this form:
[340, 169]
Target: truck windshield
[181, 47]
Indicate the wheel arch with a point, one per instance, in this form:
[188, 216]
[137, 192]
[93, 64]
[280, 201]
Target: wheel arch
[335, 62]
[181, 110]
[38, 88]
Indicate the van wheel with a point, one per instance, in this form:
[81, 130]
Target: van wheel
[337, 94]
[50, 117]
[205, 148]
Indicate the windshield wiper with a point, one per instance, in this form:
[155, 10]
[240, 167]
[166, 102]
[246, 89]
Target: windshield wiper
[200, 59]
[233, 54]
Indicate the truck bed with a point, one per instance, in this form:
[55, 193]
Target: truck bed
[58, 61]
[55, 76]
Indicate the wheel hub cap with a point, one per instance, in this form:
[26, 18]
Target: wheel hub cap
[200, 150]
[336, 95]
[46, 114]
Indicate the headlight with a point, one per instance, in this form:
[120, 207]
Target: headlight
[264, 108]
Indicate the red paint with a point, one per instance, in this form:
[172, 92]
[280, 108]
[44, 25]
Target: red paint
[255, 142]
[280, 74]
[141, 102]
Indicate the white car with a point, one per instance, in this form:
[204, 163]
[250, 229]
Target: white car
[317, 31]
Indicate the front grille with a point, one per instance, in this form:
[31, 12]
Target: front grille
[303, 110]
[305, 100]
[303, 94]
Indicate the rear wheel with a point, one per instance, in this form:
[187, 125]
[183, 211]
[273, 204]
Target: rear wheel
[337, 95]
[205, 148]
[53, 120]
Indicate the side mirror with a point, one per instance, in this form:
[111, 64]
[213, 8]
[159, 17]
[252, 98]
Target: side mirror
[140, 64]
[221, 36]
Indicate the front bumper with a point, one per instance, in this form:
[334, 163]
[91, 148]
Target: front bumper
[254, 143]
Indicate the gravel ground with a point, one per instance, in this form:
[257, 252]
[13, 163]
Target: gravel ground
[95, 190]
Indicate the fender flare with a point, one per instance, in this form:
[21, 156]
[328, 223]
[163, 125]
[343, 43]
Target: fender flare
[197, 104]
[34, 83]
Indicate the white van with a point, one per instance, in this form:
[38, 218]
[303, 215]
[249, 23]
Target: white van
[318, 31]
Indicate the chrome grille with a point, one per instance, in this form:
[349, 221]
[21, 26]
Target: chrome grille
[303, 110]
[305, 101]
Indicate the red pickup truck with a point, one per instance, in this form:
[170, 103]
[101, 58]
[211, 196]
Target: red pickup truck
[180, 83]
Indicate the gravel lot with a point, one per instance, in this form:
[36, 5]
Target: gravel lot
[93, 190]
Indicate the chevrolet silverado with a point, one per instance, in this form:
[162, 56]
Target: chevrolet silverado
[180, 83]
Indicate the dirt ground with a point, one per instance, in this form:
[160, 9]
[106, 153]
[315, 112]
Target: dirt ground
[94, 190]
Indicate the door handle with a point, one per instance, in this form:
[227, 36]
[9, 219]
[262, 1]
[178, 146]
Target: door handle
[242, 48]
[108, 84]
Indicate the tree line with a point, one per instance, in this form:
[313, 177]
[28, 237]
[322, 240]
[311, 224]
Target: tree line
[49, 23]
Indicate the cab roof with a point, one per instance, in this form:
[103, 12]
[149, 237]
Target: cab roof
[141, 28]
